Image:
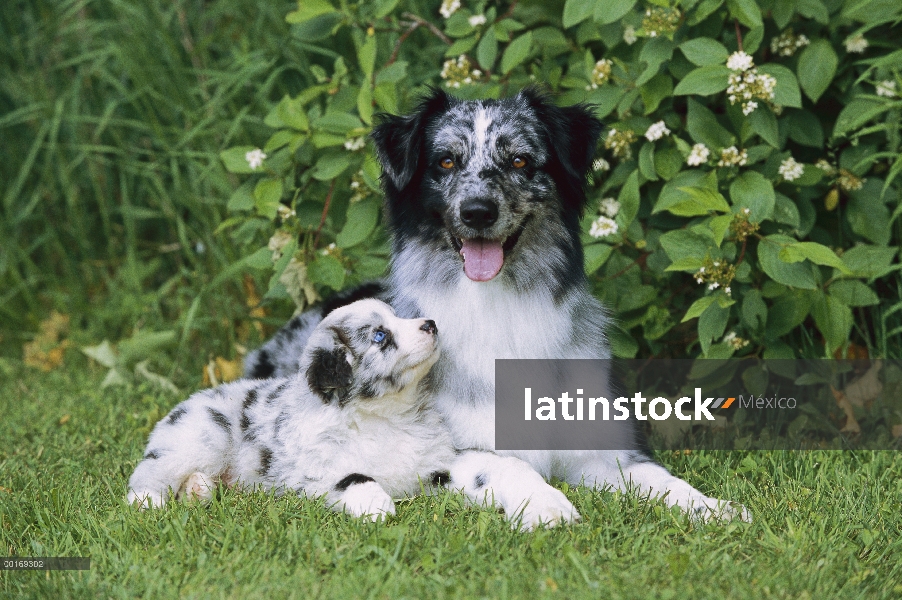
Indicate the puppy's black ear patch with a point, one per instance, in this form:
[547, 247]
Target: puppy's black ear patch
[329, 373]
[572, 133]
[399, 139]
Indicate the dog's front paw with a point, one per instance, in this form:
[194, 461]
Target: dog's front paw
[199, 486]
[712, 509]
[368, 500]
[548, 506]
[146, 499]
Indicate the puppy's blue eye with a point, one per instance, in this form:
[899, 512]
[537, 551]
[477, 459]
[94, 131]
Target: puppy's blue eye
[378, 337]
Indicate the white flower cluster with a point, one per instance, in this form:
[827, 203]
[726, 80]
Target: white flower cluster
[856, 44]
[887, 88]
[735, 341]
[629, 35]
[732, 156]
[656, 131]
[619, 142]
[601, 164]
[790, 170]
[609, 207]
[740, 61]
[449, 7]
[355, 144]
[601, 73]
[476, 20]
[698, 155]
[603, 227]
[747, 84]
[787, 43]
[457, 72]
[255, 158]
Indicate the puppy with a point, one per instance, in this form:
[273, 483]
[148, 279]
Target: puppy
[351, 425]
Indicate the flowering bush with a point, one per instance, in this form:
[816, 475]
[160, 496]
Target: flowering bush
[744, 200]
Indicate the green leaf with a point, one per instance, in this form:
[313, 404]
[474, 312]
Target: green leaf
[609, 11]
[338, 122]
[629, 201]
[516, 52]
[647, 161]
[267, 194]
[235, 161]
[308, 9]
[668, 162]
[366, 56]
[805, 128]
[719, 226]
[328, 271]
[797, 275]
[817, 66]
[700, 201]
[858, 112]
[754, 311]
[577, 11]
[787, 91]
[698, 307]
[243, 197]
[703, 127]
[102, 353]
[144, 344]
[704, 51]
[746, 11]
[764, 123]
[462, 46]
[751, 190]
[291, 114]
[787, 313]
[365, 103]
[393, 73]
[704, 81]
[711, 324]
[655, 52]
[814, 252]
[833, 319]
[813, 9]
[689, 264]
[384, 7]
[786, 212]
[595, 256]
[487, 51]
[655, 90]
[853, 293]
[360, 223]
[869, 261]
[682, 243]
[868, 216]
[330, 166]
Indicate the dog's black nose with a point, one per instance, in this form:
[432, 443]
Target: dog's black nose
[479, 213]
[429, 327]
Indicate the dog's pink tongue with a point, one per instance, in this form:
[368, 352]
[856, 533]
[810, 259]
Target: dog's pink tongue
[482, 258]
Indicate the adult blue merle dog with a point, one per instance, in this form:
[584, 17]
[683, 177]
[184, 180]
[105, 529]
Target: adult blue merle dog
[483, 200]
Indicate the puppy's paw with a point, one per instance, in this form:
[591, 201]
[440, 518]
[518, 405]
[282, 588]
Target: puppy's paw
[199, 486]
[548, 506]
[368, 500]
[146, 499]
[707, 509]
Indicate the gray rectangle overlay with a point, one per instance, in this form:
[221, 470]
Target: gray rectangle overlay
[45, 563]
[679, 404]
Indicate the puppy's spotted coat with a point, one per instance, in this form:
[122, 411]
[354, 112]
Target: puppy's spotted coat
[352, 425]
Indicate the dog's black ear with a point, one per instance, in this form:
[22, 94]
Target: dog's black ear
[572, 133]
[329, 373]
[399, 139]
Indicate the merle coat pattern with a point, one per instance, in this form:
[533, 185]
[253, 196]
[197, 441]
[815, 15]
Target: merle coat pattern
[483, 200]
[352, 424]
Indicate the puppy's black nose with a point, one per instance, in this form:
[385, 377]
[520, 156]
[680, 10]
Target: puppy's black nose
[479, 213]
[429, 327]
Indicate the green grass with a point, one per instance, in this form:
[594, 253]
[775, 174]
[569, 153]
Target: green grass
[827, 524]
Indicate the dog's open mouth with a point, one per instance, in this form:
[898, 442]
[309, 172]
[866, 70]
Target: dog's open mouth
[483, 258]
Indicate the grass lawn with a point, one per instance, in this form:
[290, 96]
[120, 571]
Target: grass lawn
[827, 524]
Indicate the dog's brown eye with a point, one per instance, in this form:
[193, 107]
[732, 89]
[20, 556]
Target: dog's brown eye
[447, 163]
[519, 162]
